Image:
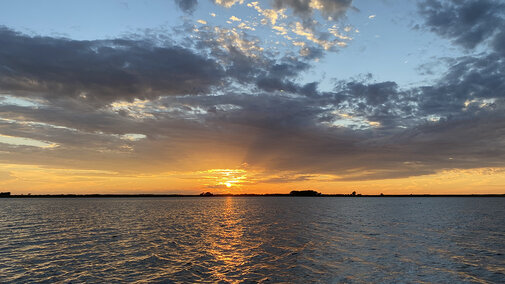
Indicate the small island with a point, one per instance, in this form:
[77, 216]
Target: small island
[304, 193]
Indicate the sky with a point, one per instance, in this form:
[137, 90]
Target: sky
[240, 96]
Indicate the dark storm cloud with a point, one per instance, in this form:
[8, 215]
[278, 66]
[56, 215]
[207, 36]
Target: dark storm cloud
[187, 6]
[102, 70]
[466, 22]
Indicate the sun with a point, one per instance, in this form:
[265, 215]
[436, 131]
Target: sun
[225, 178]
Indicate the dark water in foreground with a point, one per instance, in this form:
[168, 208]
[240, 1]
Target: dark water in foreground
[251, 239]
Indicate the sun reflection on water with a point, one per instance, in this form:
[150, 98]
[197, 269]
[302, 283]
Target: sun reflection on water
[226, 244]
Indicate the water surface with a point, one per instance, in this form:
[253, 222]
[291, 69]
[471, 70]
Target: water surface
[253, 239]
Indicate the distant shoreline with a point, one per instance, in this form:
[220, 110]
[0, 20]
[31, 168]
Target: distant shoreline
[239, 195]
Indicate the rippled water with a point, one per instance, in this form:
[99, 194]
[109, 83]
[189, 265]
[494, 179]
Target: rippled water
[253, 239]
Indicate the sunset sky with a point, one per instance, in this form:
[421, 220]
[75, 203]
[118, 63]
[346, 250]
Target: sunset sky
[185, 96]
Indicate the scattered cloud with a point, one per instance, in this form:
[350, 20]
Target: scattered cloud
[235, 19]
[330, 9]
[244, 26]
[311, 35]
[270, 15]
[282, 30]
[228, 3]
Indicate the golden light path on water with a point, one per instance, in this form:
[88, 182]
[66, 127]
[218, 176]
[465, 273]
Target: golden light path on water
[252, 240]
[228, 247]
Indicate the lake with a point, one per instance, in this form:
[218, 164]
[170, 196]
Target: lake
[253, 239]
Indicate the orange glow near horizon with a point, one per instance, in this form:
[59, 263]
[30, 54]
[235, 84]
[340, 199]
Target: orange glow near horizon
[24, 179]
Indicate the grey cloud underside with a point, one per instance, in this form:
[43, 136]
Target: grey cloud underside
[103, 70]
[124, 69]
[278, 133]
[187, 6]
[302, 8]
[458, 122]
[329, 8]
[467, 22]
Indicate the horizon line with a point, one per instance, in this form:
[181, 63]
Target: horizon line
[71, 195]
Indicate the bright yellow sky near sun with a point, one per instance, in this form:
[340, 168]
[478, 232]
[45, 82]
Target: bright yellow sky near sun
[24, 179]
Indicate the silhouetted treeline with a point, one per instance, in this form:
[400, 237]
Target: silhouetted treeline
[292, 193]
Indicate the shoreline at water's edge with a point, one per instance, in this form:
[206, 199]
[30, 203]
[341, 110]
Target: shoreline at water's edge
[240, 195]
